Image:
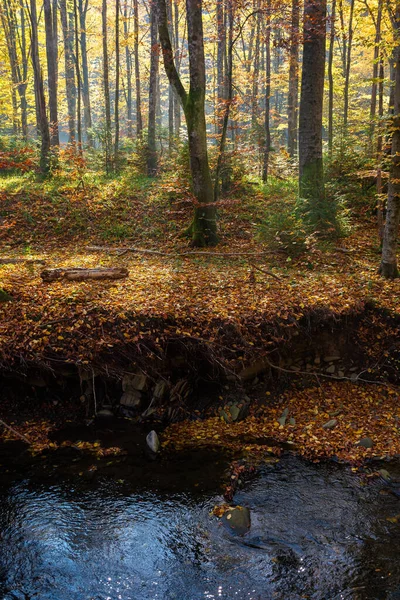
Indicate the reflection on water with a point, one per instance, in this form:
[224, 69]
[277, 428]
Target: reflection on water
[317, 533]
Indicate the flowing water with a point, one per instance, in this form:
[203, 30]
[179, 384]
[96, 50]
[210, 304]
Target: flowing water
[144, 532]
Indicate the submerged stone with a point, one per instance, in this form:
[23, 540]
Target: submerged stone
[237, 520]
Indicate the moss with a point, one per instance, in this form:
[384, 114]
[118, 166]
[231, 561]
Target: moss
[4, 297]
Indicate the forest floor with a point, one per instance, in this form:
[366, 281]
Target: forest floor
[238, 300]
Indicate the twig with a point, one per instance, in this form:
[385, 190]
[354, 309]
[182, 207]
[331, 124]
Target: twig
[334, 377]
[121, 251]
[265, 272]
[15, 432]
[94, 393]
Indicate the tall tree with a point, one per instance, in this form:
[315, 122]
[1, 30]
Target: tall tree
[70, 86]
[388, 267]
[42, 122]
[106, 89]
[348, 66]
[83, 6]
[267, 131]
[330, 75]
[117, 68]
[293, 95]
[139, 120]
[78, 77]
[151, 126]
[128, 64]
[204, 226]
[51, 54]
[311, 176]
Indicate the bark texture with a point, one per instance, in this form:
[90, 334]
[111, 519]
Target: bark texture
[204, 227]
[311, 176]
[388, 266]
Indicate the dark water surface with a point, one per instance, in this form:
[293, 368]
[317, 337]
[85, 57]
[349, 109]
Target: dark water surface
[318, 532]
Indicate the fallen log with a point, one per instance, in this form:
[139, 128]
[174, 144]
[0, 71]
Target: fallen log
[16, 261]
[81, 274]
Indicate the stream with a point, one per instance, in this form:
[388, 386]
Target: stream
[141, 530]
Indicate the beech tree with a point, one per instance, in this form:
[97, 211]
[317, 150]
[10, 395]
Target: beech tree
[204, 226]
[311, 173]
[388, 267]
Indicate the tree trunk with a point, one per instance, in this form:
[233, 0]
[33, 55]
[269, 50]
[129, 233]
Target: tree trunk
[311, 180]
[330, 76]
[128, 61]
[293, 95]
[256, 74]
[348, 65]
[117, 68]
[70, 86]
[221, 52]
[87, 109]
[388, 267]
[51, 54]
[177, 106]
[78, 77]
[267, 131]
[139, 120]
[151, 126]
[204, 226]
[106, 84]
[23, 82]
[228, 89]
[43, 124]
[10, 25]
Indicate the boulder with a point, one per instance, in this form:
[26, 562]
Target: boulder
[237, 520]
[153, 442]
[330, 424]
[139, 382]
[131, 399]
[365, 442]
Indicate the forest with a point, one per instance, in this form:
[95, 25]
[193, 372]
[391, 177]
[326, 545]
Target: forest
[199, 299]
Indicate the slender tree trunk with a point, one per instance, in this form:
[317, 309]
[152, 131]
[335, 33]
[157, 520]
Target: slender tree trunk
[23, 83]
[78, 77]
[106, 83]
[51, 53]
[170, 89]
[70, 85]
[177, 106]
[204, 226]
[117, 68]
[128, 61]
[330, 76]
[9, 23]
[388, 266]
[139, 120]
[221, 52]
[293, 95]
[311, 176]
[256, 74]
[87, 109]
[348, 66]
[267, 131]
[228, 100]
[43, 124]
[151, 126]
[375, 71]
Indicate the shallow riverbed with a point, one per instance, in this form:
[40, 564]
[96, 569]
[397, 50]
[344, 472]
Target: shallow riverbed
[144, 532]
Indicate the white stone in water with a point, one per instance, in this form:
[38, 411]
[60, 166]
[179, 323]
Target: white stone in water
[153, 441]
